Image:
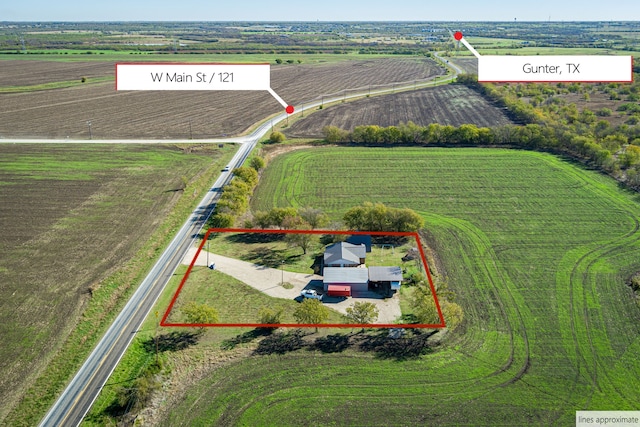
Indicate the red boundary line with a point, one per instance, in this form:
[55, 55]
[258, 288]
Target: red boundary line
[415, 235]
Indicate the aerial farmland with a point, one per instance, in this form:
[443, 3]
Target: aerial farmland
[519, 304]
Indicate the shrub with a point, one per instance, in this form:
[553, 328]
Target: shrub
[269, 316]
[277, 137]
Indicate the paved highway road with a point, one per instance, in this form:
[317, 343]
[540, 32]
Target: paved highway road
[77, 398]
[82, 391]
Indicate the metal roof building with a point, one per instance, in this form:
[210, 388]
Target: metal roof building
[344, 255]
[356, 278]
[391, 275]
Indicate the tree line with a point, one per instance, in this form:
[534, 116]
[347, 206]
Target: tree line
[551, 124]
[544, 122]
[235, 196]
[366, 217]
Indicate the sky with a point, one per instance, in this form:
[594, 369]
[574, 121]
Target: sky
[322, 10]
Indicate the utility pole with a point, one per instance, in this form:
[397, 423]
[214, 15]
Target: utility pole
[90, 132]
[190, 130]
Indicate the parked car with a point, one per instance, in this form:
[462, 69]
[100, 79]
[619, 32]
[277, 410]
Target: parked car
[310, 293]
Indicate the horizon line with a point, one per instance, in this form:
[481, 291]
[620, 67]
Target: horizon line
[88, 21]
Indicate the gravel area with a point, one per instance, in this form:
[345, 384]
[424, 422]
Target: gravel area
[269, 281]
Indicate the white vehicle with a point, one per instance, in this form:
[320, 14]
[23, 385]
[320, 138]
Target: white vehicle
[226, 168]
[310, 293]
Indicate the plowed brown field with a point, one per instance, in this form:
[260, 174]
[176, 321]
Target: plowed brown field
[61, 113]
[468, 65]
[447, 105]
[72, 215]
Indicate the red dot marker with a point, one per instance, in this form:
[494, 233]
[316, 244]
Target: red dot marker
[457, 35]
[289, 109]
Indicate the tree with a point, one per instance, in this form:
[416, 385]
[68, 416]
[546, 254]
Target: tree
[362, 313]
[302, 240]
[261, 219]
[200, 314]
[631, 156]
[378, 217]
[247, 174]
[222, 220]
[278, 61]
[277, 137]
[311, 311]
[390, 135]
[405, 220]
[333, 134]
[453, 314]
[257, 163]
[277, 216]
[466, 134]
[424, 306]
[314, 217]
[613, 142]
[269, 317]
[235, 198]
[367, 134]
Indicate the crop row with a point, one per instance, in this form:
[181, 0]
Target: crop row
[67, 112]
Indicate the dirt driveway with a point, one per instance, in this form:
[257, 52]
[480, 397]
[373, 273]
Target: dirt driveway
[269, 281]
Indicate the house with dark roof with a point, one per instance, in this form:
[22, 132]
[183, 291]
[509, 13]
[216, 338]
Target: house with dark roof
[361, 239]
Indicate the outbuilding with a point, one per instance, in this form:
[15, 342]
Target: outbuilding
[386, 276]
[356, 279]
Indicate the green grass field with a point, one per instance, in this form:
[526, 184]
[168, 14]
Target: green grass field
[537, 251]
[234, 301]
[52, 85]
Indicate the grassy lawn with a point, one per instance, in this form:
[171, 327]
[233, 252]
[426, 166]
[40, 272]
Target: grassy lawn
[234, 301]
[537, 251]
[269, 250]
